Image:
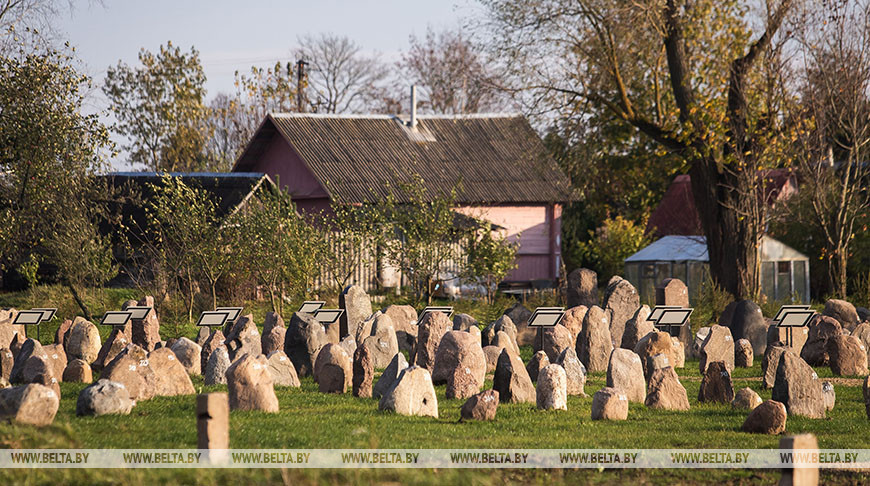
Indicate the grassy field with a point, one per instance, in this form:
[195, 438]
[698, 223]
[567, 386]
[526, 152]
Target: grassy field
[309, 419]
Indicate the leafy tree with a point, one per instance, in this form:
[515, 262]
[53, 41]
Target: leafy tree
[181, 224]
[233, 119]
[49, 153]
[489, 258]
[280, 248]
[611, 244]
[422, 234]
[159, 107]
[697, 78]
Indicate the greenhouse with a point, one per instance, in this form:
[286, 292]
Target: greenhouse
[785, 272]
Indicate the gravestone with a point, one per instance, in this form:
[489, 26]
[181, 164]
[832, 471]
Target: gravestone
[574, 371]
[250, 385]
[31, 404]
[594, 343]
[747, 322]
[538, 362]
[412, 393]
[404, 319]
[625, 372]
[847, 356]
[746, 398]
[743, 354]
[357, 307]
[145, 333]
[305, 336]
[821, 329]
[512, 381]
[481, 406]
[621, 301]
[844, 312]
[217, 366]
[282, 370]
[333, 369]
[214, 341]
[552, 391]
[798, 387]
[609, 404]
[767, 418]
[388, 377]
[582, 287]
[672, 291]
[104, 397]
[718, 346]
[363, 373]
[665, 391]
[636, 328]
[716, 384]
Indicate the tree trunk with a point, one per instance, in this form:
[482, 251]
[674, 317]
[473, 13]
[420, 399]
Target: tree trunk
[79, 301]
[731, 240]
[837, 271]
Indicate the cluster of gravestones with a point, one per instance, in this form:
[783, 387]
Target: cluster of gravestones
[134, 364]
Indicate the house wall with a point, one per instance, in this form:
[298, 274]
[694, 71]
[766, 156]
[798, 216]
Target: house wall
[537, 228]
[286, 168]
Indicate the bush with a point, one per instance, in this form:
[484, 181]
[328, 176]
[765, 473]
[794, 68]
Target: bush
[617, 239]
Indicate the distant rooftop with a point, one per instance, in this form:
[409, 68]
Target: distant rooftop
[487, 158]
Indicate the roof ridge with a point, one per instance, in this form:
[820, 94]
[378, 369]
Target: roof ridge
[378, 116]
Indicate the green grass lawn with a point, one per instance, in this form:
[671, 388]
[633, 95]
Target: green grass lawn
[309, 419]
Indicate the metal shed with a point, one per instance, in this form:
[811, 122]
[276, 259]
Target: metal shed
[785, 272]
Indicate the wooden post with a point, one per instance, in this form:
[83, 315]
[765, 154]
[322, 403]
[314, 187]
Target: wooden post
[213, 423]
[808, 475]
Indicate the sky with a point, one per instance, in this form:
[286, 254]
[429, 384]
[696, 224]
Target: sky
[234, 35]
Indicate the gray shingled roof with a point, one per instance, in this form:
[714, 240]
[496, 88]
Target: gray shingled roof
[491, 159]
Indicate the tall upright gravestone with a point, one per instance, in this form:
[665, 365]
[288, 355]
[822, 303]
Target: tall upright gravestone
[672, 291]
[357, 307]
[582, 288]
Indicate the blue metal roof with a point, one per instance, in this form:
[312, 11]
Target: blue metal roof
[673, 249]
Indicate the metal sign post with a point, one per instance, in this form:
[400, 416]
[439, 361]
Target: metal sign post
[215, 318]
[29, 318]
[546, 317]
[327, 316]
[116, 318]
[233, 312]
[791, 318]
[668, 317]
[446, 309]
[311, 306]
[47, 315]
[138, 312]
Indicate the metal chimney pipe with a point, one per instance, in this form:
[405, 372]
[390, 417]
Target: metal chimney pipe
[413, 122]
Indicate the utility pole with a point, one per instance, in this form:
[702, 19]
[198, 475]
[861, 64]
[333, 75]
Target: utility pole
[300, 85]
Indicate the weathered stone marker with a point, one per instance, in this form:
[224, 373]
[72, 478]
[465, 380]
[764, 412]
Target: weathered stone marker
[213, 423]
[807, 474]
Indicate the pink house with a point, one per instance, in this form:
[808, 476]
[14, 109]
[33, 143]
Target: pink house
[498, 163]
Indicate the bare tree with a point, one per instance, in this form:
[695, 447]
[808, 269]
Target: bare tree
[833, 151]
[341, 78]
[31, 21]
[233, 119]
[692, 76]
[453, 74]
